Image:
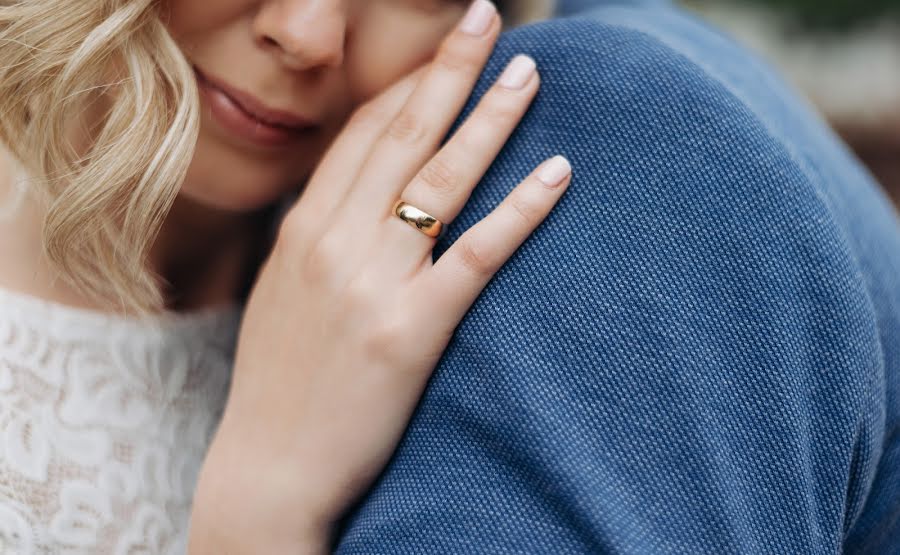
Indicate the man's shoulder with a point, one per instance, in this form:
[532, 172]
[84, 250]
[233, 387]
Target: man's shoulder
[653, 105]
[646, 65]
[652, 127]
[665, 58]
[697, 200]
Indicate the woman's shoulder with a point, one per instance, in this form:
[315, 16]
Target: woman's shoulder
[34, 330]
[90, 401]
[31, 308]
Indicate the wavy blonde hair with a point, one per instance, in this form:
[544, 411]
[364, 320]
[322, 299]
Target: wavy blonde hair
[107, 200]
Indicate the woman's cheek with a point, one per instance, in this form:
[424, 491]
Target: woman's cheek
[390, 45]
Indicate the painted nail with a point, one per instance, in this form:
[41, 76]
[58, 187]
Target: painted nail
[478, 18]
[555, 171]
[517, 72]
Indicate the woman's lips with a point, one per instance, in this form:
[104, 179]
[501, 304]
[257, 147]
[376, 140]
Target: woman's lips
[248, 118]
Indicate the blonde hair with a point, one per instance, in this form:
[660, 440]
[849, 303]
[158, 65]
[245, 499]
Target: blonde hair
[108, 200]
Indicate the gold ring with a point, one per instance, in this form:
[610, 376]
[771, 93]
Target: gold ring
[426, 223]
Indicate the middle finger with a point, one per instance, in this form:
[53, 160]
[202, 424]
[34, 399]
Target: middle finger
[414, 135]
[446, 182]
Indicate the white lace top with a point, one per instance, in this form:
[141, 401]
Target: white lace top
[104, 423]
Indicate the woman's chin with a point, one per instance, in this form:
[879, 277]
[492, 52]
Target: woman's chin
[222, 179]
[235, 195]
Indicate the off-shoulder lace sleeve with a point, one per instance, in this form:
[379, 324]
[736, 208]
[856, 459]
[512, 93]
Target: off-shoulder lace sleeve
[104, 422]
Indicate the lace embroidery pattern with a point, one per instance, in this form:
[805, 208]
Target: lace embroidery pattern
[104, 423]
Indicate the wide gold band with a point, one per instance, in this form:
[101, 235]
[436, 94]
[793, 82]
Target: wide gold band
[424, 222]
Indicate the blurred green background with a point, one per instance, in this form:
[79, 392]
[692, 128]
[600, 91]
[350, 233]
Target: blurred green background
[833, 14]
[823, 14]
[843, 55]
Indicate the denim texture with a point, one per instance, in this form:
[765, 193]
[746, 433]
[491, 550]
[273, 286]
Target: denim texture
[697, 352]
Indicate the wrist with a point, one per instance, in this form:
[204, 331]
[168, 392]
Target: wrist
[245, 502]
[224, 522]
[214, 538]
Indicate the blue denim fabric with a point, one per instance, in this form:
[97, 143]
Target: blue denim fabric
[697, 352]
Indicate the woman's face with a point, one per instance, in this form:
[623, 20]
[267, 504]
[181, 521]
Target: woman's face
[278, 79]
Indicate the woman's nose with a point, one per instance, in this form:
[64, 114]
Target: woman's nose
[304, 34]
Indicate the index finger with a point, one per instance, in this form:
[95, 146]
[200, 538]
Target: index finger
[415, 134]
[328, 186]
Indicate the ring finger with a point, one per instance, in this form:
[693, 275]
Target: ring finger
[443, 186]
[416, 133]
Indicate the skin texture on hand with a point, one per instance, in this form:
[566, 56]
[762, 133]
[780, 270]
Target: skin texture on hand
[334, 351]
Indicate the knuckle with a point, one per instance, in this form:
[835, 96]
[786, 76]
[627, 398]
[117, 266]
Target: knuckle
[525, 209]
[475, 258]
[501, 108]
[407, 128]
[387, 340]
[322, 259]
[366, 116]
[292, 232]
[457, 58]
[440, 177]
[361, 295]
[477, 137]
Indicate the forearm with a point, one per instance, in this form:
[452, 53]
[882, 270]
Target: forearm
[246, 502]
[213, 538]
[223, 526]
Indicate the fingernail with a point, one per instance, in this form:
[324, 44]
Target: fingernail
[478, 18]
[517, 72]
[555, 171]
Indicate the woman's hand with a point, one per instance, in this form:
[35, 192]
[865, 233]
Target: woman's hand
[350, 315]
